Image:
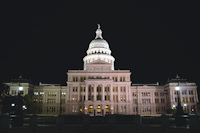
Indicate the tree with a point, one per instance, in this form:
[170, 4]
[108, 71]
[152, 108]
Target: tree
[29, 105]
[4, 94]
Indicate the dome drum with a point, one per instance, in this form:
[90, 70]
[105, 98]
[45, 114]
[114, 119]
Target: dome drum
[98, 51]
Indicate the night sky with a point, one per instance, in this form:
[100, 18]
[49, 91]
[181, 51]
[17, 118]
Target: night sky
[155, 40]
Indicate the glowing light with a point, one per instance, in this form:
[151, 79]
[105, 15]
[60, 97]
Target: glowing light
[20, 88]
[13, 104]
[177, 88]
[173, 106]
[185, 104]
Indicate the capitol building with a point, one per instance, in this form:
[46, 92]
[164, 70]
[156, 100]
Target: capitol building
[100, 90]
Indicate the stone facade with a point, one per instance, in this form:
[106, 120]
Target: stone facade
[99, 89]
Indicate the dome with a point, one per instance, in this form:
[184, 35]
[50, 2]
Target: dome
[98, 50]
[98, 43]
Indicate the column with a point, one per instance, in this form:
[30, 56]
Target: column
[152, 102]
[111, 92]
[118, 89]
[103, 95]
[79, 91]
[126, 94]
[95, 94]
[86, 92]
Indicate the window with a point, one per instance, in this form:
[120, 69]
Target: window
[124, 97]
[99, 109]
[162, 100]
[83, 79]
[192, 99]
[114, 89]
[107, 97]
[35, 100]
[157, 109]
[81, 108]
[36, 93]
[41, 93]
[90, 109]
[145, 109]
[135, 101]
[146, 101]
[161, 93]
[75, 79]
[98, 97]
[156, 100]
[156, 93]
[134, 94]
[175, 92]
[115, 79]
[185, 99]
[124, 89]
[40, 100]
[51, 101]
[190, 92]
[75, 89]
[107, 89]
[121, 97]
[145, 93]
[74, 97]
[51, 109]
[63, 94]
[98, 89]
[52, 94]
[184, 92]
[176, 99]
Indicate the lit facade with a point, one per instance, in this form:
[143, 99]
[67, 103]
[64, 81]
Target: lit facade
[99, 89]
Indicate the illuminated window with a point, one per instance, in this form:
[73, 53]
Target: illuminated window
[41, 93]
[81, 108]
[20, 88]
[124, 97]
[134, 94]
[36, 93]
[63, 94]
[99, 109]
[121, 97]
[107, 109]
[90, 109]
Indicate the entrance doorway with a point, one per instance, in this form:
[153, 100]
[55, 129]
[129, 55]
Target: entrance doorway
[107, 109]
[99, 109]
[90, 109]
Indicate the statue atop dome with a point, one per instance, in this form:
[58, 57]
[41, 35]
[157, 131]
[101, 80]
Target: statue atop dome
[98, 26]
[98, 32]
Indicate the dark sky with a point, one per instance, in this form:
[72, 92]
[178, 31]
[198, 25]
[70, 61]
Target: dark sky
[155, 40]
